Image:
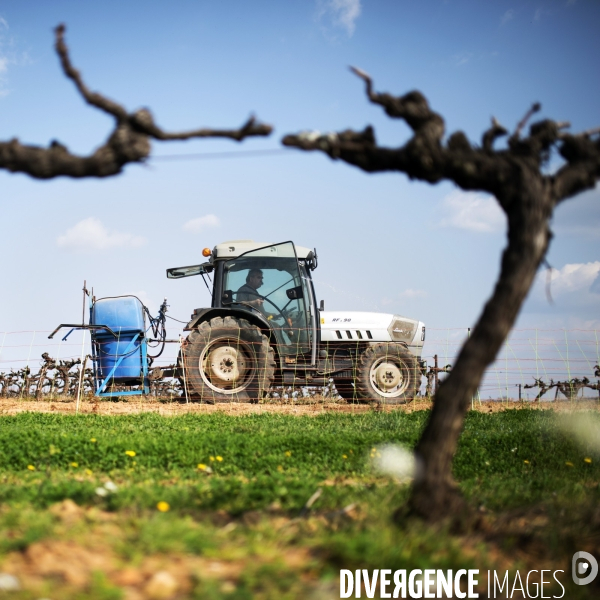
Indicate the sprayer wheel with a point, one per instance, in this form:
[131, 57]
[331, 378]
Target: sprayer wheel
[345, 388]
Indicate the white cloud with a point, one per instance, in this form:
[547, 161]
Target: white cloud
[574, 278]
[201, 223]
[472, 211]
[575, 295]
[342, 13]
[507, 16]
[91, 235]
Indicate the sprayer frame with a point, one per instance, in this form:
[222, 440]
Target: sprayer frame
[101, 384]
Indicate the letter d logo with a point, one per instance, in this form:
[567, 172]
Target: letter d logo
[588, 564]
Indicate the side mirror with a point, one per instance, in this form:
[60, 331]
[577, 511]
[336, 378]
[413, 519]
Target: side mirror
[227, 297]
[322, 306]
[312, 260]
[179, 272]
[295, 293]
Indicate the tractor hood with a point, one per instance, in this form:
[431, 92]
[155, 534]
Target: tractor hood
[341, 326]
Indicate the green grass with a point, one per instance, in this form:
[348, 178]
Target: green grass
[271, 464]
[267, 458]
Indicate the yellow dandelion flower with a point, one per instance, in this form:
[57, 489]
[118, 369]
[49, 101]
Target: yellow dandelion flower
[344, 456]
[220, 458]
[202, 467]
[93, 440]
[587, 460]
[569, 463]
[89, 472]
[526, 462]
[279, 468]
[130, 453]
[163, 506]
[212, 458]
[74, 464]
[31, 467]
[288, 452]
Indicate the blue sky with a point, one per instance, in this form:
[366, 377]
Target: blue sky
[385, 244]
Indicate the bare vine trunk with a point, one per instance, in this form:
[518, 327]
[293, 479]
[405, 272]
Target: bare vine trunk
[128, 143]
[435, 493]
[527, 196]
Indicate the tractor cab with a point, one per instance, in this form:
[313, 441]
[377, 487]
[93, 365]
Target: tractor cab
[273, 284]
[270, 286]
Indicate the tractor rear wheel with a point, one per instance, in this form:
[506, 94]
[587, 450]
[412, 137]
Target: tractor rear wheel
[387, 373]
[228, 360]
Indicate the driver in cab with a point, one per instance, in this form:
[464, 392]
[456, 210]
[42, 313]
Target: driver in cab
[248, 293]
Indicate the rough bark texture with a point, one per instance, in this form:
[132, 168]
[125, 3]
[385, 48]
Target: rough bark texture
[527, 196]
[129, 142]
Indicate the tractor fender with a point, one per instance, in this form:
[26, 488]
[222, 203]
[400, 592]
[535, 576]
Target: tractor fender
[206, 314]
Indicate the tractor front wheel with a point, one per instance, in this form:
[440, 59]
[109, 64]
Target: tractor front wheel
[387, 373]
[227, 360]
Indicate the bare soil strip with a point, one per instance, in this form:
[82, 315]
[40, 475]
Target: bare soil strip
[315, 406]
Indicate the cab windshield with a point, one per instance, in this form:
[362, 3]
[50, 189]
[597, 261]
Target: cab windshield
[268, 280]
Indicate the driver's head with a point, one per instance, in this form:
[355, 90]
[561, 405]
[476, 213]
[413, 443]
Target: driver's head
[255, 278]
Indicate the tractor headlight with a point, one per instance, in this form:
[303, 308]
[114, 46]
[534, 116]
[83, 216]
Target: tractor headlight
[402, 330]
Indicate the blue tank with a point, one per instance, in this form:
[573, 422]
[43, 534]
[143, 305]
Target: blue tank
[125, 316]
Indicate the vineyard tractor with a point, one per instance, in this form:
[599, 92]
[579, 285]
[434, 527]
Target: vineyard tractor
[264, 329]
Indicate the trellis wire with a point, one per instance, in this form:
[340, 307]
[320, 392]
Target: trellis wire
[526, 355]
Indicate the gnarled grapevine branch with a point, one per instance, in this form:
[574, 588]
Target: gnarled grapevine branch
[129, 142]
[528, 197]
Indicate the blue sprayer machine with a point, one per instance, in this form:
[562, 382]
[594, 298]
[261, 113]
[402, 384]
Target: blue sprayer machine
[119, 328]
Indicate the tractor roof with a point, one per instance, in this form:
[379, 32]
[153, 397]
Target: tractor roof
[234, 248]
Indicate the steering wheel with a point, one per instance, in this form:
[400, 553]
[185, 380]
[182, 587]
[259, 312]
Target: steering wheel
[294, 313]
[281, 314]
[287, 315]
